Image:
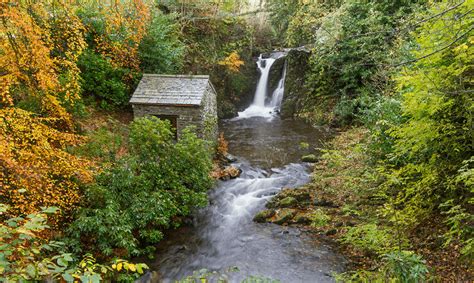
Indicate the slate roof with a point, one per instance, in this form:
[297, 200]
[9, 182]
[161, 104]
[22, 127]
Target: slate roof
[179, 90]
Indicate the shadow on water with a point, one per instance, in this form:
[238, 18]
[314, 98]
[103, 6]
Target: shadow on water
[223, 234]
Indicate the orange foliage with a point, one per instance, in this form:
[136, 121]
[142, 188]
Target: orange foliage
[125, 26]
[222, 145]
[36, 171]
[232, 62]
[38, 61]
[40, 42]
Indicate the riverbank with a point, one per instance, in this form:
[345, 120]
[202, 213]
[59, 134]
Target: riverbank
[342, 203]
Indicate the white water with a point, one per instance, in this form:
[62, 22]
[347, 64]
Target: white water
[223, 234]
[262, 87]
[258, 108]
[277, 95]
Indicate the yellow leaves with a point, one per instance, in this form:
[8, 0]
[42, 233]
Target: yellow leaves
[128, 21]
[232, 62]
[124, 265]
[36, 169]
[38, 47]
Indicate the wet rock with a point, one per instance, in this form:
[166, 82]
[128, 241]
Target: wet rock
[295, 87]
[290, 198]
[310, 158]
[288, 202]
[230, 158]
[284, 215]
[263, 215]
[230, 172]
[302, 219]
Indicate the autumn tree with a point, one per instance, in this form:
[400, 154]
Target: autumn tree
[40, 42]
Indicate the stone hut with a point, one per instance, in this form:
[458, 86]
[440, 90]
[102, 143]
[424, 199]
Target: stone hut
[181, 99]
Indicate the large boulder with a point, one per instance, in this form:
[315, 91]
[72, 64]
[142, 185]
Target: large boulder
[311, 158]
[290, 198]
[276, 72]
[284, 215]
[264, 215]
[295, 91]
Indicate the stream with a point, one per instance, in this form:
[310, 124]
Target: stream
[223, 236]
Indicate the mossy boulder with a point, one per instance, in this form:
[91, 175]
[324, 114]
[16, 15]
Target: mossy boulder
[288, 202]
[290, 198]
[295, 87]
[284, 215]
[264, 215]
[310, 158]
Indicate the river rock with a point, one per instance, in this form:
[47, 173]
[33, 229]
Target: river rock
[230, 158]
[230, 172]
[263, 215]
[284, 215]
[310, 158]
[290, 198]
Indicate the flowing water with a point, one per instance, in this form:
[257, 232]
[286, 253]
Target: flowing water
[223, 235]
[258, 108]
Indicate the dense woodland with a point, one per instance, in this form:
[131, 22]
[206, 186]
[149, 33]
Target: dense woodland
[84, 190]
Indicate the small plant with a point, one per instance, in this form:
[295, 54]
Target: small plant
[304, 145]
[369, 238]
[405, 266]
[350, 210]
[319, 218]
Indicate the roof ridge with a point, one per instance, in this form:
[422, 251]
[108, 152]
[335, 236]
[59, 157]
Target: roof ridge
[177, 76]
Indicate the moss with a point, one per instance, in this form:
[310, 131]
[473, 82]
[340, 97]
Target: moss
[285, 215]
[288, 202]
[295, 91]
[263, 215]
[309, 158]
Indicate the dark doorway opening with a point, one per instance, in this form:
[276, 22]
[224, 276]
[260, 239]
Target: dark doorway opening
[173, 119]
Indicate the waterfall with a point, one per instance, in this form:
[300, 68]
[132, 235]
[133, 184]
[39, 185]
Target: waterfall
[258, 108]
[262, 87]
[277, 95]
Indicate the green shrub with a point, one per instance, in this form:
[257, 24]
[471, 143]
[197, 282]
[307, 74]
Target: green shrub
[400, 266]
[161, 50]
[25, 256]
[370, 238]
[102, 144]
[102, 80]
[433, 145]
[145, 192]
[404, 266]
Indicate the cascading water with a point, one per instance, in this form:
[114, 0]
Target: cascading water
[262, 87]
[277, 95]
[258, 108]
[223, 236]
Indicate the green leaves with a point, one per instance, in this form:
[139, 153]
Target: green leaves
[147, 191]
